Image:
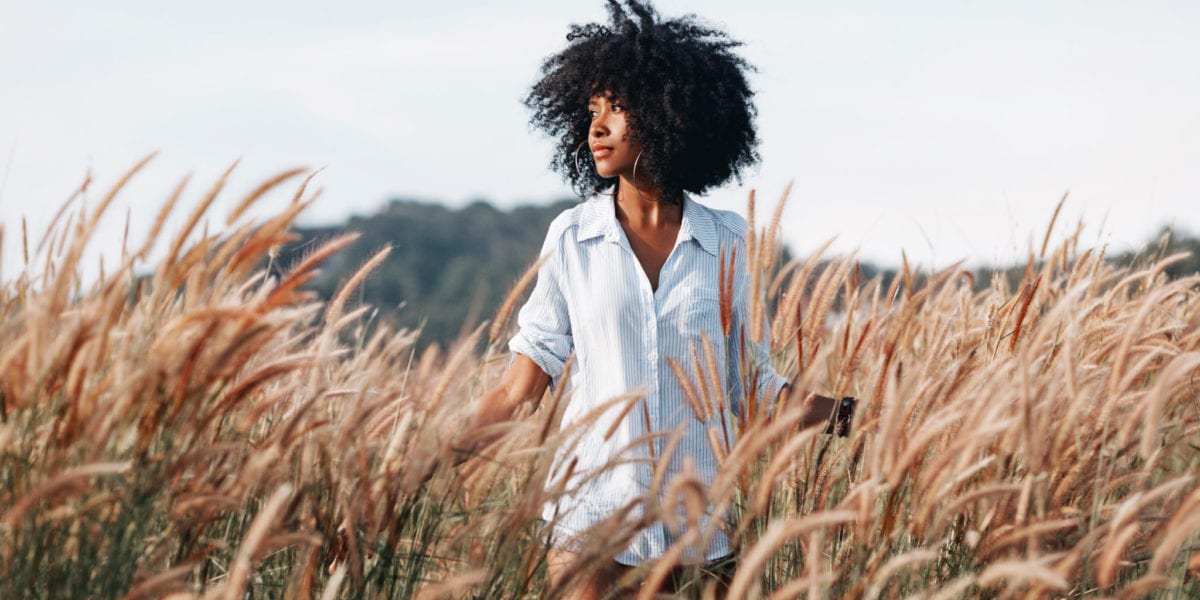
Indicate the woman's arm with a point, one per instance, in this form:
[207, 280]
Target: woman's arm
[540, 348]
[822, 410]
[524, 381]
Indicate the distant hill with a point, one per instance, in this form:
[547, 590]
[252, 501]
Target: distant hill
[1165, 244]
[450, 268]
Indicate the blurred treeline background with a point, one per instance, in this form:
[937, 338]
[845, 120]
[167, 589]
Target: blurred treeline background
[450, 267]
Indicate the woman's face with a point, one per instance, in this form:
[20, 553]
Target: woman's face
[609, 137]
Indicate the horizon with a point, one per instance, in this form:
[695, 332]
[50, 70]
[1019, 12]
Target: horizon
[1177, 234]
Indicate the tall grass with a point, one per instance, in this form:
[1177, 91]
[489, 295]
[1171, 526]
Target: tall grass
[209, 429]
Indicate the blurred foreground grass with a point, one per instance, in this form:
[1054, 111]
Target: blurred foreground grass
[209, 429]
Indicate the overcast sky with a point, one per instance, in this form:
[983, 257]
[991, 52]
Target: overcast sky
[946, 129]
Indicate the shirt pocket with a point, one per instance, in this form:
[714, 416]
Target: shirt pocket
[701, 319]
[701, 316]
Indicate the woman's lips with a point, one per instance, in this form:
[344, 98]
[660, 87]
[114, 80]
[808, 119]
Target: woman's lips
[599, 152]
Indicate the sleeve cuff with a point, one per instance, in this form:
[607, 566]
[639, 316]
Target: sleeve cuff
[772, 383]
[549, 362]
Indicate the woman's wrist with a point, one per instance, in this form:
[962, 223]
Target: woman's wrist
[843, 416]
[835, 414]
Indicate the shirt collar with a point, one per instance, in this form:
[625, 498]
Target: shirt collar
[698, 224]
[599, 219]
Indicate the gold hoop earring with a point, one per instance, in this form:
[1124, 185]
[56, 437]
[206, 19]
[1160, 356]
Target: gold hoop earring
[633, 177]
[579, 169]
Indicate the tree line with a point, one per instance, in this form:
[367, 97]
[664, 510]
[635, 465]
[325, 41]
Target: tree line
[450, 268]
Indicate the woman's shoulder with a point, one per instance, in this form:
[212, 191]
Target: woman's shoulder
[728, 222]
[569, 221]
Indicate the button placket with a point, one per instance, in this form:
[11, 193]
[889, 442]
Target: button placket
[652, 397]
[656, 299]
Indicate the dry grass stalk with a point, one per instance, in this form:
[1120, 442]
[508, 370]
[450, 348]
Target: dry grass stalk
[1050, 227]
[25, 241]
[59, 483]
[194, 217]
[252, 545]
[259, 192]
[1060, 465]
[52, 227]
[768, 249]
[334, 312]
[725, 274]
[689, 392]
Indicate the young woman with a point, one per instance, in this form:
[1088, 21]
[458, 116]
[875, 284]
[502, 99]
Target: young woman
[647, 113]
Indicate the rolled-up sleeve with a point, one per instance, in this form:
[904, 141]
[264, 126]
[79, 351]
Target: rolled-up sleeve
[757, 359]
[545, 325]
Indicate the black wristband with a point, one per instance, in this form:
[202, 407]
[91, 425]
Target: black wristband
[840, 425]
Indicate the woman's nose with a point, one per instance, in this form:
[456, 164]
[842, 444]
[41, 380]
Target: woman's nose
[600, 125]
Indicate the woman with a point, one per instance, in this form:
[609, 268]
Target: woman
[647, 112]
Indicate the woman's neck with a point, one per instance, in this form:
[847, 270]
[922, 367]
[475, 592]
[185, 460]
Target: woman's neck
[643, 206]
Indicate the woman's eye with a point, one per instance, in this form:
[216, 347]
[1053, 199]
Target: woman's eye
[617, 108]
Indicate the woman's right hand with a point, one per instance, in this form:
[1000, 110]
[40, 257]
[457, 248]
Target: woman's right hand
[523, 381]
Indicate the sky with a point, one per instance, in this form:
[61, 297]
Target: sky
[947, 130]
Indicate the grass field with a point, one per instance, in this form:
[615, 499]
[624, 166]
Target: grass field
[205, 429]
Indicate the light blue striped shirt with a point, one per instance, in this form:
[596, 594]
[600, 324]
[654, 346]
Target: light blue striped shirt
[593, 299]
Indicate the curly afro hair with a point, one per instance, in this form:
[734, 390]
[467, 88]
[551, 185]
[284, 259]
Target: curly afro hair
[688, 102]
